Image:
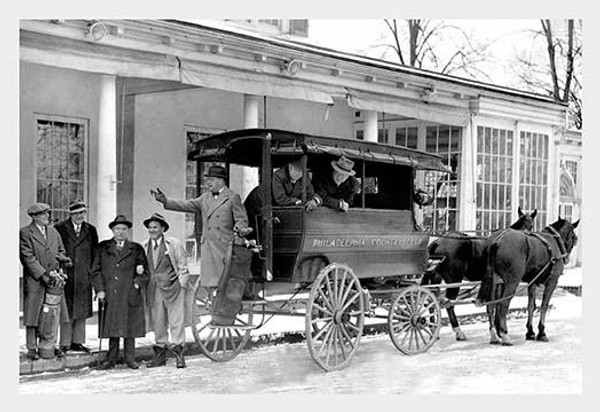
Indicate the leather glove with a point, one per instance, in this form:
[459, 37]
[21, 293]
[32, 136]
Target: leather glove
[159, 195]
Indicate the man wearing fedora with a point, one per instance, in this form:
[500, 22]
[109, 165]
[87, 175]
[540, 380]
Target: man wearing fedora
[80, 240]
[337, 189]
[119, 274]
[41, 252]
[165, 295]
[222, 215]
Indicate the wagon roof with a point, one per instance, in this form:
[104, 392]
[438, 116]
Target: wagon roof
[245, 147]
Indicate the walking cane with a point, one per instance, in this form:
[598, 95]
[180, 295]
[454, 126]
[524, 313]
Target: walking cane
[101, 316]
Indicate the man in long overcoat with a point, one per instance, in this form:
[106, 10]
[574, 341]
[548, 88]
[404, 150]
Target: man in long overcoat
[80, 240]
[222, 210]
[40, 249]
[119, 274]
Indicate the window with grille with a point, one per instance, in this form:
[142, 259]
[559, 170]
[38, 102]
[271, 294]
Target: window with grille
[61, 162]
[494, 178]
[533, 175]
[442, 215]
[407, 137]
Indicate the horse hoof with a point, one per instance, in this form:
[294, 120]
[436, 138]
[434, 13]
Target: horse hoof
[506, 343]
[494, 342]
[461, 338]
[542, 338]
[530, 336]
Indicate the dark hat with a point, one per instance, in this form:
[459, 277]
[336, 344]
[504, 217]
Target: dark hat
[157, 217]
[77, 206]
[344, 166]
[38, 208]
[217, 171]
[120, 220]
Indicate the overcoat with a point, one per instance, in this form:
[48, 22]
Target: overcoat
[218, 219]
[38, 256]
[114, 273]
[81, 249]
[331, 193]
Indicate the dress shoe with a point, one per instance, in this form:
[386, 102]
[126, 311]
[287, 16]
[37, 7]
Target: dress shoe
[132, 365]
[61, 351]
[106, 364]
[178, 350]
[32, 354]
[78, 347]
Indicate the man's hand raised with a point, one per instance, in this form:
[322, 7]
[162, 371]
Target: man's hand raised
[159, 195]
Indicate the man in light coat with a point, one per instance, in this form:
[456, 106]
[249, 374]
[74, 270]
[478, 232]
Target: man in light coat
[222, 214]
[40, 250]
[165, 295]
[81, 240]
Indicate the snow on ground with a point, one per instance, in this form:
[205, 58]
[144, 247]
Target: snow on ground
[449, 367]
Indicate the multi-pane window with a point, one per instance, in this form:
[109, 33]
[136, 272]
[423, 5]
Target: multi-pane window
[407, 137]
[382, 136]
[442, 215]
[494, 178]
[533, 175]
[61, 164]
[572, 167]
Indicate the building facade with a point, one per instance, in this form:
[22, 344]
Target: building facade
[109, 109]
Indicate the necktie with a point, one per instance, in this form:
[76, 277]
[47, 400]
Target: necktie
[155, 253]
[120, 245]
[44, 232]
[77, 229]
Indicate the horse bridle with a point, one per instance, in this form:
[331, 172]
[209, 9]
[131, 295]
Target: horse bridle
[561, 245]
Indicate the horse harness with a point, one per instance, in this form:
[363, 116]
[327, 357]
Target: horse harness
[551, 262]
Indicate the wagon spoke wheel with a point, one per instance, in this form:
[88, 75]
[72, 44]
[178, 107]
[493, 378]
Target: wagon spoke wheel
[219, 344]
[334, 317]
[414, 320]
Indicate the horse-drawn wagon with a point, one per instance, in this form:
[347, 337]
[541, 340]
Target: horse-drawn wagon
[335, 269]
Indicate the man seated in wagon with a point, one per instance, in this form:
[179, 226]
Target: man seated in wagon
[338, 187]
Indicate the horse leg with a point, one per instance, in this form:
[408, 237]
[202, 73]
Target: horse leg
[451, 294]
[502, 312]
[530, 335]
[548, 291]
[491, 312]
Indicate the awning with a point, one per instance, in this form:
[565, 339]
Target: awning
[237, 81]
[96, 58]
[414, 109]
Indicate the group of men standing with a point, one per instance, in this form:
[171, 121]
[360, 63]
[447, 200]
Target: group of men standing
[120, 270]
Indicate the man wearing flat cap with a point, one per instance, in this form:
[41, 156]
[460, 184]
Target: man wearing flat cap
[337, 189]
[222, 214]
[41, 252]
[119, 274]
[81, 240]
[165, 295]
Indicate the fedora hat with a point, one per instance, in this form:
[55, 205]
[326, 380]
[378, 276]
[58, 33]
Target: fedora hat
[38, 208]
[120, 220]
[77, 206]
[216, 171]
[344, 166]
[157, 217]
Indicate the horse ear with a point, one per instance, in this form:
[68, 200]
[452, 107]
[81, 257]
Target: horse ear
[576, 224]
[534, 213]
[519, 211]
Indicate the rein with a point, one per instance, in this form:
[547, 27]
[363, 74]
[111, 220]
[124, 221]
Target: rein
[551, 262]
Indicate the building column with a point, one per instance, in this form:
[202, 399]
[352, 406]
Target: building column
[243, 179]
[106, 204]
[370, 126]
[468, 180]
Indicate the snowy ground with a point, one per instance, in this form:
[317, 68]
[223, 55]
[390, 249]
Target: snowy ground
[449, 367]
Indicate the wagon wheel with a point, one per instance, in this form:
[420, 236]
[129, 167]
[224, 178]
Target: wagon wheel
[219, 344]
[414, 320]
[334, 317]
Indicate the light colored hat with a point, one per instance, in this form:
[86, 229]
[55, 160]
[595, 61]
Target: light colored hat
[77, 206]
[38, 208]
[344, 166]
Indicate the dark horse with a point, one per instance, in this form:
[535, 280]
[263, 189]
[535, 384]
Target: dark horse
[534, 258]
[463, 258]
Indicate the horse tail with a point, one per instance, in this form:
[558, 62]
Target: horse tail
[488, 284]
